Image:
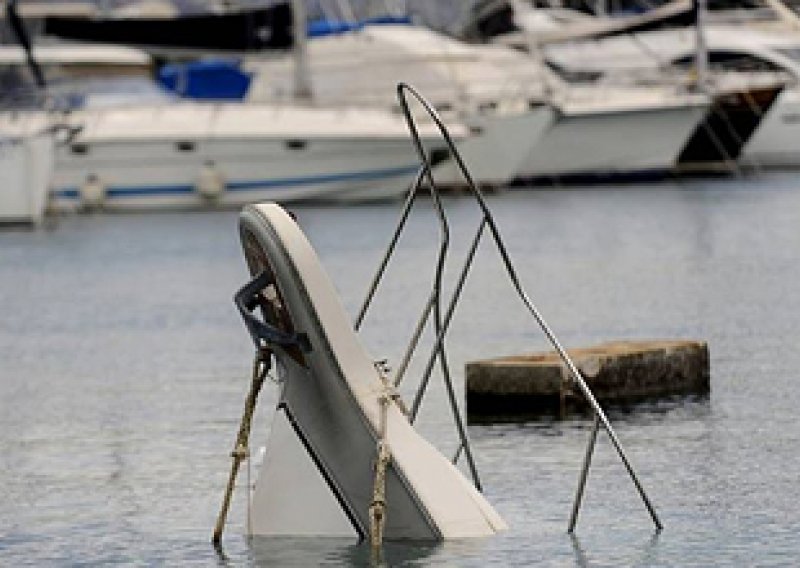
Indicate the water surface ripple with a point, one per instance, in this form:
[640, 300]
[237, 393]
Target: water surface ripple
[124, 369]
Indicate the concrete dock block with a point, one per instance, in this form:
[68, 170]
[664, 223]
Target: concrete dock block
[526, 386]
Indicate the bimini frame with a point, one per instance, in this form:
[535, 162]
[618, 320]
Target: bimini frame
[443, 317]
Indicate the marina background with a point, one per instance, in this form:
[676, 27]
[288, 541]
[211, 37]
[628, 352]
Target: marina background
[124, 368]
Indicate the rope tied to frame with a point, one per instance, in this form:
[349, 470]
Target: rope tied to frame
[377, 508]
[389, 388]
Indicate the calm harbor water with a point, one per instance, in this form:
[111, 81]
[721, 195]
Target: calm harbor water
[123, 369]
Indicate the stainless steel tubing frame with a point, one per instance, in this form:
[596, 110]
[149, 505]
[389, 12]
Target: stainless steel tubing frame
[442, 323]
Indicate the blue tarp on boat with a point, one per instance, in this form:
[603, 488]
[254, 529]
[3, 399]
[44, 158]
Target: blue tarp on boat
[216, 79]
[320, 28]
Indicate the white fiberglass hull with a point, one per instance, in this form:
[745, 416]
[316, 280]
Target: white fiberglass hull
[26, 164]
[776, 142]
[199, 155]
[600, 141]
[318, 474]
[493, 156]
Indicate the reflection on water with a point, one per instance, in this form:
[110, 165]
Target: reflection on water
[321, 552]
[124, 368]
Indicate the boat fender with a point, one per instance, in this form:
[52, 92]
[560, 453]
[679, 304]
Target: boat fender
[93, 192]
[210, 182]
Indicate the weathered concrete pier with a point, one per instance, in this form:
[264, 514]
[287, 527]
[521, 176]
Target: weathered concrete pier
[526, 386]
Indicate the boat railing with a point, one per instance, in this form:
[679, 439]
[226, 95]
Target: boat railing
[440, 310]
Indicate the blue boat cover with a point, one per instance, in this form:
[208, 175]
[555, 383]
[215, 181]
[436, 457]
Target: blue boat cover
[320, 28]
[212, 79]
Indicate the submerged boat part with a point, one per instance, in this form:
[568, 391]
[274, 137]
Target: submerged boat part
[343, 458]
[335, 411]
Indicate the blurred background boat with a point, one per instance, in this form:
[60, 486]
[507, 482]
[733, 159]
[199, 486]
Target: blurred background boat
[289, 118]
[478, 84]
[138, 147]
[731, 50]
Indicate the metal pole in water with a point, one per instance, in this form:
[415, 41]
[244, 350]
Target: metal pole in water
[601, 417]
[587, 461]
[438, 351]
[446, 322]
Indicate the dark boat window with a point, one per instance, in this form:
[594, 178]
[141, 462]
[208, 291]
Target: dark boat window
[296, 144]
[79, 148]
[185, 146]
[574, 75]
[731, 61]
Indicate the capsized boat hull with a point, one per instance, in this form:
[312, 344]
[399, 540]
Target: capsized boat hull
[330, 396]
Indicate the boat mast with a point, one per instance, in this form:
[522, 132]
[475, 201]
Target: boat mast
[18, 27]
[302, 71]
[701, 48]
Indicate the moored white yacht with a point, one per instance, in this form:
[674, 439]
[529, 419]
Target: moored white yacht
[613, 49]
[502, 107]
[776, 141]
[483, 84]
[136, 152]
[186, 154]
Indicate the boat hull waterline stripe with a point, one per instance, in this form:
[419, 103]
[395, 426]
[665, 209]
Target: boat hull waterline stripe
[182, 188]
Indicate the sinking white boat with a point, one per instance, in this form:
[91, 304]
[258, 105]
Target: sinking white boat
[26, 167]
[343, 458]
[317, 477]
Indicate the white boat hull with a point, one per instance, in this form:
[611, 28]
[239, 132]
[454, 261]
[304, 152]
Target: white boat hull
[152, 174]
[203, 155]
[617, 141]
[319, 470]
[776, 142]
[26, 164]
[494, 156]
